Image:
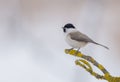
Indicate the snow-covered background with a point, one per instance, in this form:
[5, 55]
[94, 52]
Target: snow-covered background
[32, 43]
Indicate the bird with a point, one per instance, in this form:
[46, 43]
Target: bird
[76, 39]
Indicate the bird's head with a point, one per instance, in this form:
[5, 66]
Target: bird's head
[68, 27]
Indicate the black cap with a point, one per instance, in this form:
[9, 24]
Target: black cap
[69, 25]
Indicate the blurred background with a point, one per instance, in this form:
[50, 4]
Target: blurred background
[32, 43]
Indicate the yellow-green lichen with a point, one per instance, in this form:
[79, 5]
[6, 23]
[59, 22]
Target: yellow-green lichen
[85, 64]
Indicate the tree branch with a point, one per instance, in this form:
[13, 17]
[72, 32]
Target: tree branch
[85, 64]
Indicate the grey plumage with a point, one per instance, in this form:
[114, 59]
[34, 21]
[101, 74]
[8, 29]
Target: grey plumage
[80, 37]
[77, 36]
[77, 39]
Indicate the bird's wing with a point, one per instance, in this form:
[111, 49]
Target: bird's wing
[83, 38]
[80, 37]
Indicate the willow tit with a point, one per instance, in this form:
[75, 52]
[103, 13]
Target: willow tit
[77, 39]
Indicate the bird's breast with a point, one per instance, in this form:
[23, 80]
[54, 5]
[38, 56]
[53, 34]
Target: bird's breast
[75, 43]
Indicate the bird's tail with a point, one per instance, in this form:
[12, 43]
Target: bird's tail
[101, 45]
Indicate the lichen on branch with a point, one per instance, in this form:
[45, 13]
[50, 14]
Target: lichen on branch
[84, 62]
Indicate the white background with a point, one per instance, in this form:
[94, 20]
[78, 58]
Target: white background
[32, 43]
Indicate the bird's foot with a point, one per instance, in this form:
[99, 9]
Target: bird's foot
[77, 52]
